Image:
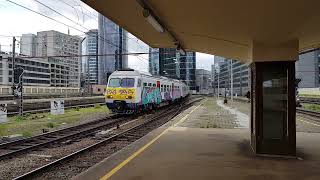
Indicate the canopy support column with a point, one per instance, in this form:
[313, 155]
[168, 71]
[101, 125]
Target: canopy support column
[273, 107]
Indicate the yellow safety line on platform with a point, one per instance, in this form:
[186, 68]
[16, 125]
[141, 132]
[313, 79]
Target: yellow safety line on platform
[123, 163]
[309, 123]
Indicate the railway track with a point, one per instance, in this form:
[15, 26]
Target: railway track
[14, 148]
[308, 112]
[90, 155]
[310, 100]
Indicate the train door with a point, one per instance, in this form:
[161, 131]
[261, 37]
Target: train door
[172, 91]
[139, 89]
[161, 89]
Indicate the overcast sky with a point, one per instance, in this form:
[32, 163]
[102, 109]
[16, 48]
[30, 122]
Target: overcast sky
[16, 20]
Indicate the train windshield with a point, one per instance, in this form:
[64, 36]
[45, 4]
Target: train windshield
[124, 82]
[114, 82]
[127, 82]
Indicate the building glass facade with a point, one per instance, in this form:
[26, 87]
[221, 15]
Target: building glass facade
[91, 62]
[222, 76]
[170, 63]
[308, 69]
[112, 40]
[154, 65]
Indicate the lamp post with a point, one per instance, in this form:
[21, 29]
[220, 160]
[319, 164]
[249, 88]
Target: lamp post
[231, 73]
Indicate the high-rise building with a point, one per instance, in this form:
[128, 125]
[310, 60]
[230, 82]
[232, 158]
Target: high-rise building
[112, 40]
[203, 81]
[28, 44]
[170, 63]
[222, 76]
[154, 65]
[65, 71]
[308, 69]
[91, 62]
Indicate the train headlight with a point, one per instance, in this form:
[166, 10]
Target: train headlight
[128, 97]
[109, 96]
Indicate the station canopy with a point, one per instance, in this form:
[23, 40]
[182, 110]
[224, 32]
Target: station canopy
[228, 28]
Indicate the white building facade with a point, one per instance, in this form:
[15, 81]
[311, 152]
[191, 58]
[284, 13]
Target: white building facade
[28, 44]
[65, 70]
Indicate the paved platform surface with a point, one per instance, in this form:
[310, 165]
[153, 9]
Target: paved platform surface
[181, 152]
[304, 123]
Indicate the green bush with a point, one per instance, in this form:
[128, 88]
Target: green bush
[77, 108]
[20, 118]
[50, 125]
[27, 115]
[97, 106]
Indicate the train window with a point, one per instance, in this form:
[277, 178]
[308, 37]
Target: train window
[125, 82]
[114, 82]
[149, 84]
[154, 85]
[144, 84]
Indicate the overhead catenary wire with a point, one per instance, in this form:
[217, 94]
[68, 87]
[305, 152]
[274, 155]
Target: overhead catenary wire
[61, 14]
[99, 37]
[73, 7]
[82, 55]
[65, 23]
[68, 17]
[59, 22]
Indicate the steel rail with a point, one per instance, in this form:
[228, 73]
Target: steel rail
[308, 112]
[172, 111]
[82, 130]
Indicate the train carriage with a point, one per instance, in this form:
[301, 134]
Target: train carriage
[129, 91]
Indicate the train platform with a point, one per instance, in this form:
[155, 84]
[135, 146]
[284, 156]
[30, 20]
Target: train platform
[207, 141]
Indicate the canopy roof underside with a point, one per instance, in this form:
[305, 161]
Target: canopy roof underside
[226, 28]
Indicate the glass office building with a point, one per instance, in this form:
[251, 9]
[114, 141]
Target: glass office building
[91, 62]
[112, 45]
[170, 63]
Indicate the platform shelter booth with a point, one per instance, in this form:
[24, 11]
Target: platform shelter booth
[273, 126]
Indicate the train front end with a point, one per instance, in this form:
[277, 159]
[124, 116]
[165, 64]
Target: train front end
[121, 93]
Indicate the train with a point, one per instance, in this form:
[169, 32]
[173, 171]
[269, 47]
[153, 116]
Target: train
[130, 91]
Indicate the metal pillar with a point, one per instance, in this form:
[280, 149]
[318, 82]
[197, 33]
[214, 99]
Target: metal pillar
[218, 85]
[231, 73]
